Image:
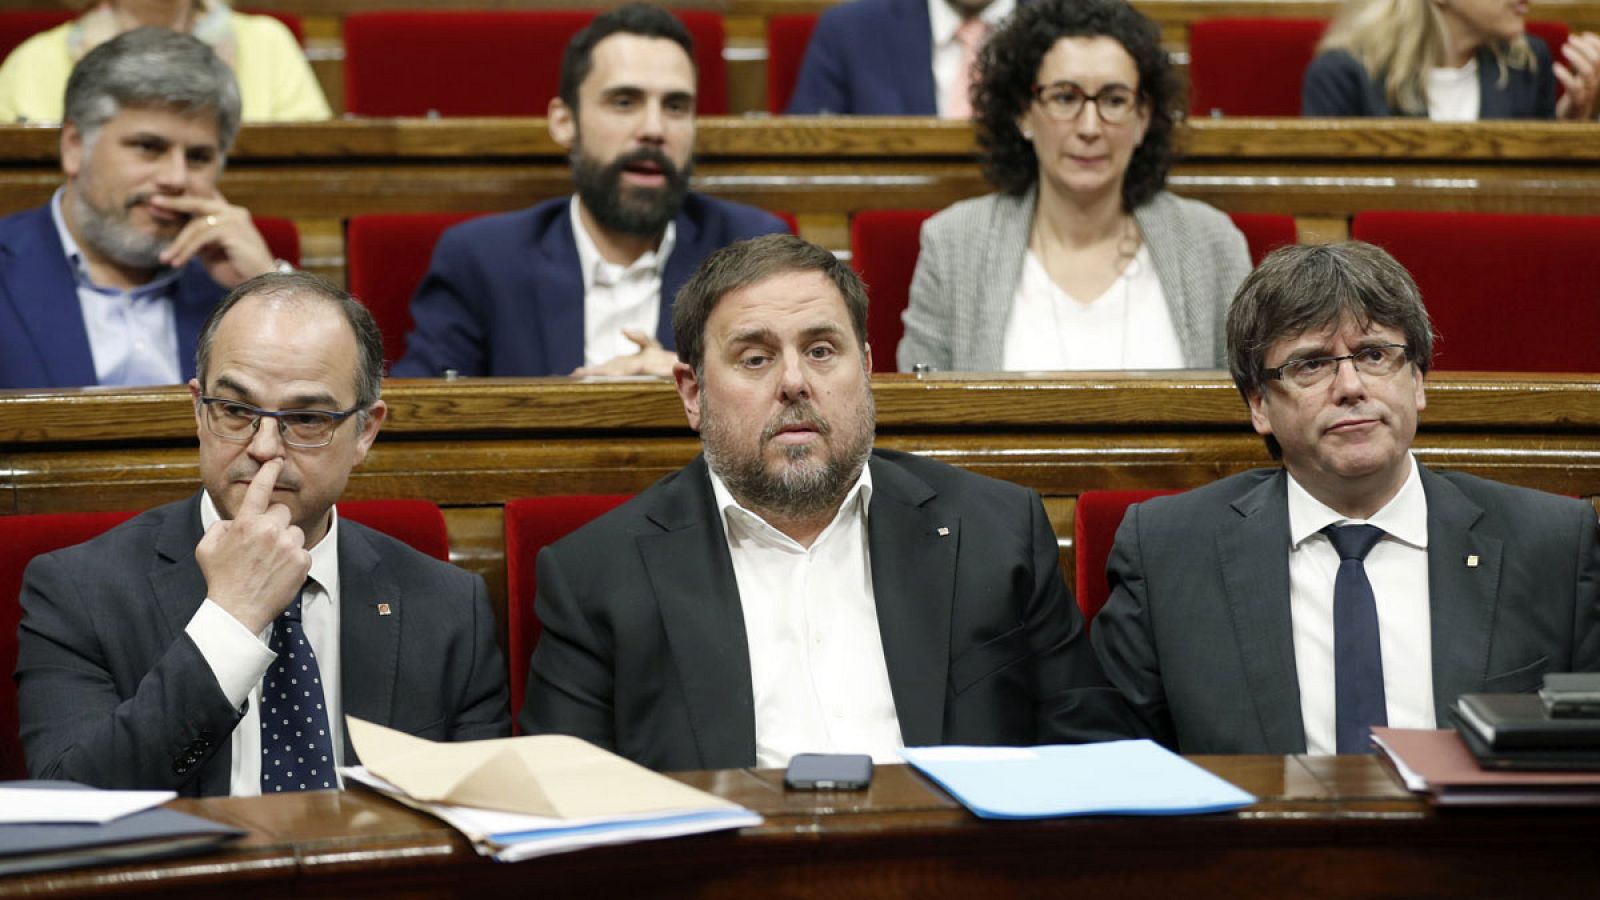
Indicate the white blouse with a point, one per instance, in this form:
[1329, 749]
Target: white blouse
[1127, 327]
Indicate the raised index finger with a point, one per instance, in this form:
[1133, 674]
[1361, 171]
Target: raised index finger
[259, 494]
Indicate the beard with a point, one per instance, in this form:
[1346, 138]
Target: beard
[110, 234]
[633, 210]
[804, 485]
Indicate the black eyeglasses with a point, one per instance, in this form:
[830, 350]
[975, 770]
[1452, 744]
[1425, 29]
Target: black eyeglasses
[233, 420]
[1064, 100]
[1378, 361]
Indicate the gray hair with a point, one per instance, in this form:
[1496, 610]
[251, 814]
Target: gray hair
[152, 68]
[1306, 287]
[747, 262]
[304, 286]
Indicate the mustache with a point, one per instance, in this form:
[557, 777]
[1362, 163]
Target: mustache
[802, 413]
[644, 154]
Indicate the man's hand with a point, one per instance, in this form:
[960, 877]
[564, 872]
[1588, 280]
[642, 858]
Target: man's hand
[255, 563]
[222, 236]
[651, 359]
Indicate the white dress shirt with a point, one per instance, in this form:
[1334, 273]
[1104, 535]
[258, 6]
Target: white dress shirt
[817, 670]
[240, 659]
[1397, 567]
[617, 297]
[947, 50]
[133, 335]
[1127, 327]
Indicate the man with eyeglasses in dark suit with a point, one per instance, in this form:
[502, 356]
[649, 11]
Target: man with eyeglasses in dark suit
[1289, 610]
[213, 646]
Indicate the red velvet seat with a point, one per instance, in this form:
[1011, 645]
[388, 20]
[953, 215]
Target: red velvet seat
[385, 258]
[1250, 67]
[488, 62]
[417, 522]
[532, 523]
[282, 237]
[1095, 520]
[1507, 293]
[787, 38]
[1265, 232]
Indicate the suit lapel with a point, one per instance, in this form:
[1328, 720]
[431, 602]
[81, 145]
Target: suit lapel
[369, 644]
[679, 265]
[1461, 599]
[1254, 552]
[192, 301]
[41, 285]
[1494, 102]
[702, 616]
[178, 588]
[911, 45]
[994, 280]
[913, 586]
[560, 303]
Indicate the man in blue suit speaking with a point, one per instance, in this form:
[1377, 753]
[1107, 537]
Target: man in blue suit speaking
[586, 282]
[109, 282]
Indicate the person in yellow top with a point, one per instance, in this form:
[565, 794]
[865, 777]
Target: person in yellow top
[275, 81]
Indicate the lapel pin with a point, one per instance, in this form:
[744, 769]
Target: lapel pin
[383, 608]
[944, 532]
[1472, 560]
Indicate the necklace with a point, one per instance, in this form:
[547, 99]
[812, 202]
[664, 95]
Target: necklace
[1127, 250]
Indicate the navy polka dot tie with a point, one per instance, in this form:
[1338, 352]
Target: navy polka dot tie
[296, 746]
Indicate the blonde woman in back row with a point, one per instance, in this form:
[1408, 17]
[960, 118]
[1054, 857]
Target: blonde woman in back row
[1448, 60]
[275, 81]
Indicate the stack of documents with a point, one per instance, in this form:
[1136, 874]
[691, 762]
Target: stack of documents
[1437, 765]
[1113, 778]
[517, 798]
[1517, 731]
[47, 825]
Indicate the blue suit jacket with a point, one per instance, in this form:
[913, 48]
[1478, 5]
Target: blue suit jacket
[504, 294]
[43, 341]
[869, 58]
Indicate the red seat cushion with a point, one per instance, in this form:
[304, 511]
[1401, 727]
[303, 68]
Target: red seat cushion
[787, 38]
[1265, 232]
[884, 244]
[1507, 293]
[418, 523]
[282, 237]
[386, 257]
[1250, 67]
[488, 62]
[532, 523]
[1096, 518]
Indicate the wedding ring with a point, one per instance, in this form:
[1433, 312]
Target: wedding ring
[211, 221]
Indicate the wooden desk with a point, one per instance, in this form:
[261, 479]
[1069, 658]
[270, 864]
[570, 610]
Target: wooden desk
[1324, 827]
[1322, 171]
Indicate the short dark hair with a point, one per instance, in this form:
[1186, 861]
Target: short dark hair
[1309, 287]
[640, 19]
[306, 286]
[747, 262]
[152, 68]
[1009, 63]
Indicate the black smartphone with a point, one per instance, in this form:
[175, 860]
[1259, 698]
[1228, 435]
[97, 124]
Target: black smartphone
[828, 772]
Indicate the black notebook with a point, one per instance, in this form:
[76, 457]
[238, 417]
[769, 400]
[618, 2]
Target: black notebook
[1520, 722]
[144, 835]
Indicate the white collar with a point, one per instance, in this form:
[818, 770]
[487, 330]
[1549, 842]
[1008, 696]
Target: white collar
[944, 21]
[594, 267]
[734, 513]
[1404, 517]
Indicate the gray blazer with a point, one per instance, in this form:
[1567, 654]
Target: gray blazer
[1198, 635]
[113, 693]
[971, 262]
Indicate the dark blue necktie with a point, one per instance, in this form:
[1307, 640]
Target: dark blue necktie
[296, 746]
[1357, 653]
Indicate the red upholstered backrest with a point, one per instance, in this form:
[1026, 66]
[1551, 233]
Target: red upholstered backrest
[1250, 67]
[884, 244]
[281, 235]
[17, 25]
[787, 38]
[488, 62]
[290, 21]
[1094, 529]
[1265, 232]
[21, 539]
[416, 522]
[532, 523]
[385, 258]
[1507, 293]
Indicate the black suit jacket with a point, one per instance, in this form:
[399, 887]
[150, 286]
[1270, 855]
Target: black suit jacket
[643, 648]
[1337, 84]
[113, 693]
[1197, 630]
